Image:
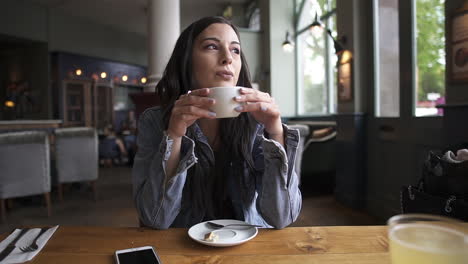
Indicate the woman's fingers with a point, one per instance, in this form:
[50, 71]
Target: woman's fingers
[251, 95]
[199, 92]
[196, 97]
[191, 112]
[262, 107]
[196, 101]
[194, 105]
[256, 101]
[188, 108]
[258, 107]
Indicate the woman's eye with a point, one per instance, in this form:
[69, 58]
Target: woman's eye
[236, 50]
[211, 46]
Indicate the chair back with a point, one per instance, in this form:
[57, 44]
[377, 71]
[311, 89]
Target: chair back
[76, 154]
[24, 163]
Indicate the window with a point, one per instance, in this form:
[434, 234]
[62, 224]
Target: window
[316, 59]
[430, 57]
[387, 58]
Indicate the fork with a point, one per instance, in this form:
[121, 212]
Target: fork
[218, 226]
[33, 246]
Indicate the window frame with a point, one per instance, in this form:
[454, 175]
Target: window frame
[330, 75]
[408, 63]
[414, 23]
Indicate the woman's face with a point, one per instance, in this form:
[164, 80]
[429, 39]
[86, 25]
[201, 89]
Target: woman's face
[216, 57]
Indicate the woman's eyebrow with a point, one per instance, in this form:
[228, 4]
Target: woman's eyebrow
[211, 38]
[217, 40]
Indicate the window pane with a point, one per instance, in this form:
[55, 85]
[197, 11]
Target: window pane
[312, 71]
[308, 14]
[387, 59]
[316, 62]
[311, 7]
[298, 5]
[430, 71]
[327, 5]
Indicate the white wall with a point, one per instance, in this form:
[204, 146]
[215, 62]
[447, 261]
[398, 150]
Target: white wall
[252, 48]
[282, 64]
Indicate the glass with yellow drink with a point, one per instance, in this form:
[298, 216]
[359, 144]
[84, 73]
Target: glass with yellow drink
[427, 239]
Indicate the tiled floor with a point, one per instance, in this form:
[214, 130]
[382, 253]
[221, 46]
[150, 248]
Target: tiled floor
[115, 207]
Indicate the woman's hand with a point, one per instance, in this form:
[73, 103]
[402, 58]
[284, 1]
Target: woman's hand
[187, 109]
[263, 108]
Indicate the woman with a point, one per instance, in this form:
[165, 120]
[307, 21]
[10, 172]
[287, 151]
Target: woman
[191, 167]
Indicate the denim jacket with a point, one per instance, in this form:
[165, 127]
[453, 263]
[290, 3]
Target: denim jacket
[271, 198]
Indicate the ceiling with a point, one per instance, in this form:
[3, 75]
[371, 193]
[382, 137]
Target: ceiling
[130, 15]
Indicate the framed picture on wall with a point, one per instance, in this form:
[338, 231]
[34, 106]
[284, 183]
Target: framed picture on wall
[458, 46]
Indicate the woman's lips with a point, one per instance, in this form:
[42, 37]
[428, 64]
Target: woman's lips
[226, 75]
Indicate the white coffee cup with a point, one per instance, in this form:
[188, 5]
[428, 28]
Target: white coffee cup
[225, 103]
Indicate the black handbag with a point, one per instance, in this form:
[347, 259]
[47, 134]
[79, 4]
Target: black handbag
[440, 177]
[415, 200]
[442, 189]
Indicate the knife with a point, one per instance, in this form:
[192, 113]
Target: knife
[11, 246]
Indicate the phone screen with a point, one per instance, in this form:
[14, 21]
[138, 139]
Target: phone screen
[145, 256]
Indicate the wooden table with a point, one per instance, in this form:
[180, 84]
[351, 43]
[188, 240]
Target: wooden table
[339, 244]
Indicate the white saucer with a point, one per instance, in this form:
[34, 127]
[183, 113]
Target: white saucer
[228, 236]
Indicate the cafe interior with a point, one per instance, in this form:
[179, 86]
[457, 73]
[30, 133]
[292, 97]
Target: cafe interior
[373, 86]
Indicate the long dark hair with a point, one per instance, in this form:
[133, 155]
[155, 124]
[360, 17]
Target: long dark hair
[235, 133]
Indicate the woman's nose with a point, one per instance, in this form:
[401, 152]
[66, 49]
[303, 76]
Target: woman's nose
[226, 57]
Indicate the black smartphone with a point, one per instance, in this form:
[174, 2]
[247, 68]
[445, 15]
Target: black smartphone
[141, 255]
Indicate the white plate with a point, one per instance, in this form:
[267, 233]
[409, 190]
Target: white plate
[228, 236]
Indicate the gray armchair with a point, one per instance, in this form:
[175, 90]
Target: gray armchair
[25, 166]
[76, 154]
